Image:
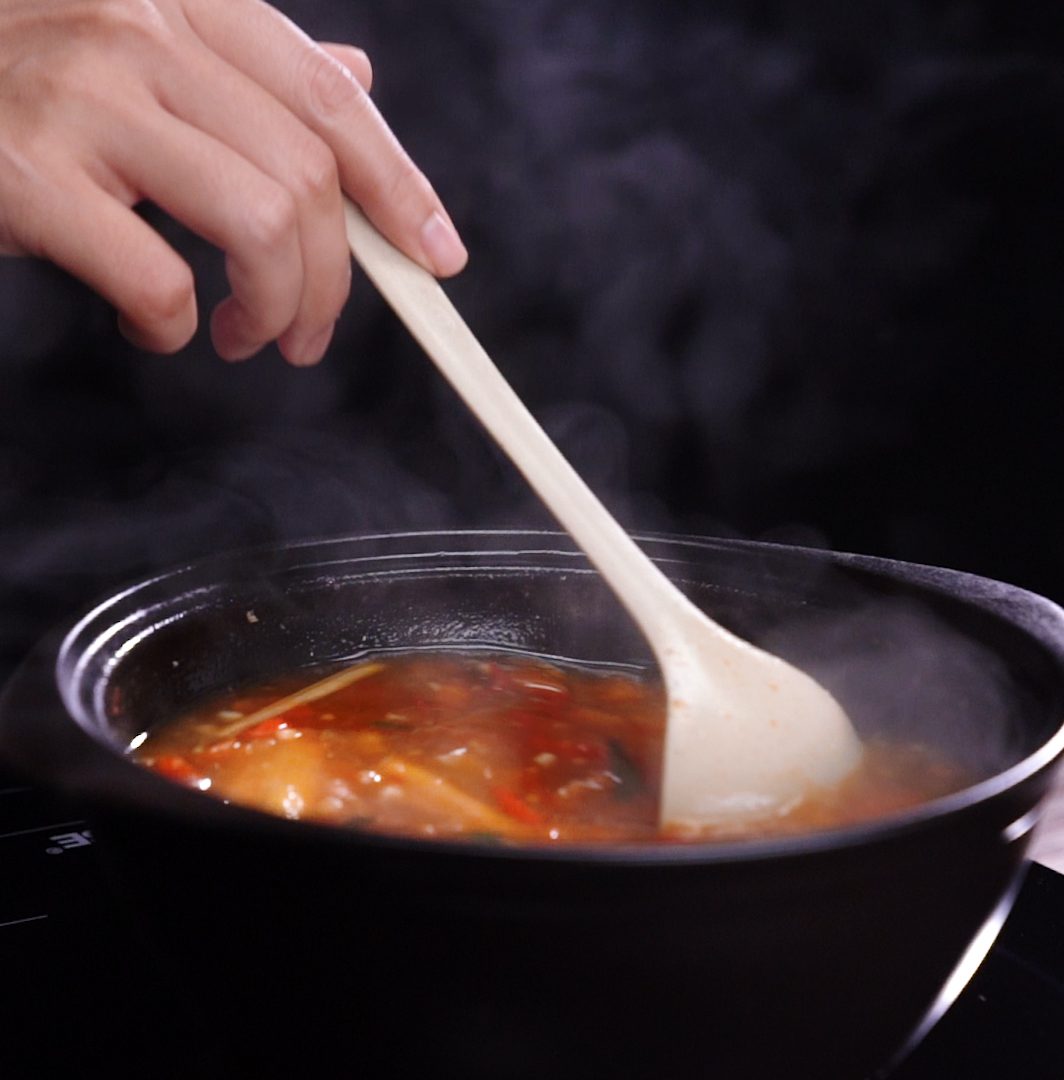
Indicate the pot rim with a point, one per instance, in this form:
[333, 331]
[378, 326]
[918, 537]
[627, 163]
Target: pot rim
[1035, 615]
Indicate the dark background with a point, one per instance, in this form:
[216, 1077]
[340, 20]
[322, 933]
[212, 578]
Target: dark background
[772, 270]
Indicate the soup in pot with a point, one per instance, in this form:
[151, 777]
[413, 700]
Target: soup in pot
[497, 748]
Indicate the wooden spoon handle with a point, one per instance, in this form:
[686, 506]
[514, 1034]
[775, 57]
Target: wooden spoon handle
[744, 729]
[420, 302]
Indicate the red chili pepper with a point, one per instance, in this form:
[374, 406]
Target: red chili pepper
[516, 807]
[524, 718]
[175, 767]
[265, 728]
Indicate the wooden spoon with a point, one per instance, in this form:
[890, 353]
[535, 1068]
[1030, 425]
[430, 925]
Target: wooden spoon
[746, 733]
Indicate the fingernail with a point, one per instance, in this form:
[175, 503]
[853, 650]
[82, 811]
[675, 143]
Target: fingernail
[234, 350]
[134, 334]
[158, 339]
[441, 245]
[229, 342]
[313, 349]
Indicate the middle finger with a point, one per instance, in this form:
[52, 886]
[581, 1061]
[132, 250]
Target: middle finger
[232, 204]
[216, 98]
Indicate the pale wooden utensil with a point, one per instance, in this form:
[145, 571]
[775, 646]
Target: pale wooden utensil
[746, 732]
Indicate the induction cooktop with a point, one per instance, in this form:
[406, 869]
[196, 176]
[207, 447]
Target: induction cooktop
[81, 990]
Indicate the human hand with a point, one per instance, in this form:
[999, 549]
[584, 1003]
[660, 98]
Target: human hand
[234, 122]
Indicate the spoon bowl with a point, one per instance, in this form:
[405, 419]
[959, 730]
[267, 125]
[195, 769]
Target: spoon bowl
[745, 731]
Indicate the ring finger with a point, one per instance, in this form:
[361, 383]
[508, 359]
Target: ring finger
[261, 130]
[231, 203]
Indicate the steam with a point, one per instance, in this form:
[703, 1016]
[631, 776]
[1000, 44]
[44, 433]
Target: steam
[901, 669]
[758, 271]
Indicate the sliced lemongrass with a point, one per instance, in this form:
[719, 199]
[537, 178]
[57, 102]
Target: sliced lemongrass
[322, 688]
[429, 790]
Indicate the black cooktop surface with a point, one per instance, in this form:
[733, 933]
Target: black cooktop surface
[81, 993]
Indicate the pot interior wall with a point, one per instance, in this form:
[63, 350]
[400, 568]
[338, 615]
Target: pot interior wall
[905, 660]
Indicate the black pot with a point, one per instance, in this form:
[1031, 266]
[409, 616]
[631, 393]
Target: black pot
[826, 956]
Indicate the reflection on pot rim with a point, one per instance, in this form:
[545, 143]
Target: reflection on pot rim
[150, 606]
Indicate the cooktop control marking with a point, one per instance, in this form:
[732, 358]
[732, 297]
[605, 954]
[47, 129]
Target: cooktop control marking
[65, 841]
[43, 828]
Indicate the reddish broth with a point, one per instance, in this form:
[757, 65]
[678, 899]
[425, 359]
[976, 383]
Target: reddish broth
[500, 747]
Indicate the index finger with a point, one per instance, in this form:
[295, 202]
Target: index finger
[374, 168]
